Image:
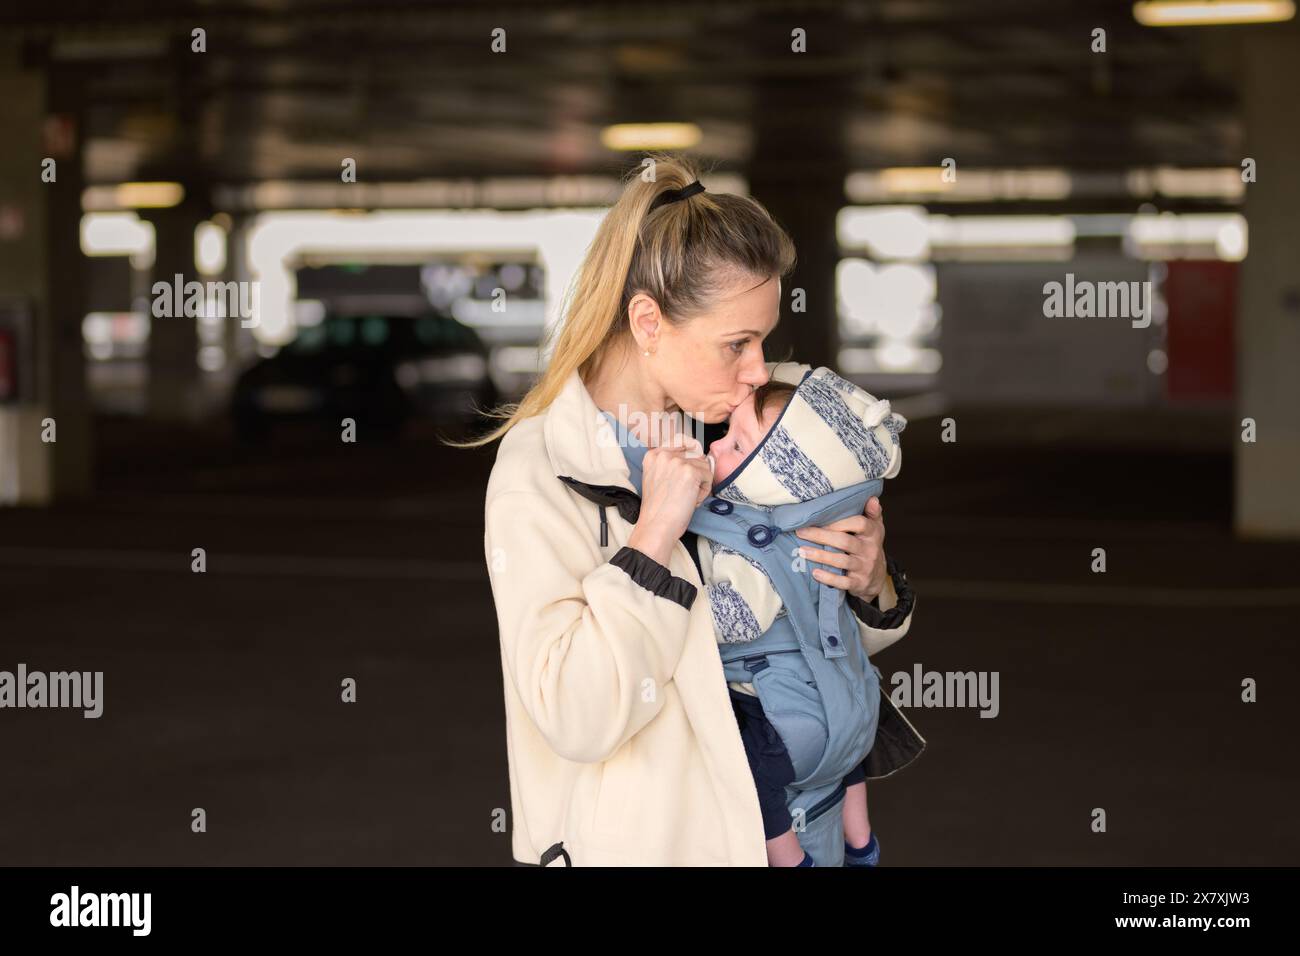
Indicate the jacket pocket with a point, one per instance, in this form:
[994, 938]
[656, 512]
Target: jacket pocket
[793, 706]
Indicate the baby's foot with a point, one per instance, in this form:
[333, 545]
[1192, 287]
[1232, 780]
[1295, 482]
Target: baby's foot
[868, 855]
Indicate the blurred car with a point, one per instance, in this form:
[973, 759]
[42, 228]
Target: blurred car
[379, 370]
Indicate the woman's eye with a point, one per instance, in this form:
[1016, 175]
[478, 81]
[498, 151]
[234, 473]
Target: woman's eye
[739, 347]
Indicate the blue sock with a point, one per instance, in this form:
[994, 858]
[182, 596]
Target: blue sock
[868, 855]
[807, 861]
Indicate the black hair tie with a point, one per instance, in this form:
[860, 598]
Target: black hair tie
[674, 195]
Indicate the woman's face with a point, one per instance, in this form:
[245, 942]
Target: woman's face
[711, 364]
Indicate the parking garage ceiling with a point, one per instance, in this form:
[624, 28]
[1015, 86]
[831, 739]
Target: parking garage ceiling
[413, 90]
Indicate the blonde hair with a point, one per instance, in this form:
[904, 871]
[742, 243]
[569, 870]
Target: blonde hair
[682, 254]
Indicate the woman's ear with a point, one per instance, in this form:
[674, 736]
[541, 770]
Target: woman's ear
[645, 321]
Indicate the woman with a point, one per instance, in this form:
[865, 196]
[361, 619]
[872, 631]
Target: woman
[622, 743]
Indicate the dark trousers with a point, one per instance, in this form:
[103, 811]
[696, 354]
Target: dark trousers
[769, 761]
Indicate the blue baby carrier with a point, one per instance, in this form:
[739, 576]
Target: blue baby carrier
[814, 683]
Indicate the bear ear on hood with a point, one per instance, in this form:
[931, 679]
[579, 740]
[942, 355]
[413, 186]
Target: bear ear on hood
[865, 406]
[873, 411]
[791, 373]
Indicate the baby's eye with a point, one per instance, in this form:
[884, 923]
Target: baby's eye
[737, 446]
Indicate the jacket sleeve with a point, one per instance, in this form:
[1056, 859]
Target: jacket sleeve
[887, 617]
[742, 598]
[588, 650]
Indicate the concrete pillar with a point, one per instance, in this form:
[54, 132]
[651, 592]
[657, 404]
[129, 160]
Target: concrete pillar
[241, 344]
[1268, 314]
[797, 171]
[175, 382]
[42, 271]
[806, 205]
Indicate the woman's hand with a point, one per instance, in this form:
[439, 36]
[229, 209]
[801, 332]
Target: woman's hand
[676, 476]
[862, 539]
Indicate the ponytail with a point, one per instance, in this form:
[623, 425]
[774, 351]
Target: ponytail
[675, 253]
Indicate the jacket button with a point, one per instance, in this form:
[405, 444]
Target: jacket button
[759, 535]
[720, 506]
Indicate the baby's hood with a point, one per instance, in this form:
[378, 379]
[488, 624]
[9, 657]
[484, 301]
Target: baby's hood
[830, 436]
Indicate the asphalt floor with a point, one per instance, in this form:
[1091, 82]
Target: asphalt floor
[1119, 691]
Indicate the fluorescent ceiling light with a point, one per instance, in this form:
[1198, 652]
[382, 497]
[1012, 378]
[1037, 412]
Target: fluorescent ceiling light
[968, 185]
[887, 232]
[115, 234]
[148, 195]
[1170, 236]
[629, 137]
[915, 179]
[998, 231]
[1181, 13]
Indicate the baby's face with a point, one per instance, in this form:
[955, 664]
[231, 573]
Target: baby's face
[745, 432]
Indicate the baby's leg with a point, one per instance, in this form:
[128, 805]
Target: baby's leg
[857, 828]
[773, 772]
[784, 850]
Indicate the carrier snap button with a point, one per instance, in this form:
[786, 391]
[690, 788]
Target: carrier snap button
[720, 506]
[833, 641]
[759, 535]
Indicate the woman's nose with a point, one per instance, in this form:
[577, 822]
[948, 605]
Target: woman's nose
[756, 371]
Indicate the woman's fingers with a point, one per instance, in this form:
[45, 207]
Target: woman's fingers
[694, 467]
[690, 457]
[861, 539]
[665, 430]
[836, 559]
[853, 524]
[661, 432]
[841, 581]
[675, 480]
[836, 539]
[704, 466]
[687, 443]
[875, 514]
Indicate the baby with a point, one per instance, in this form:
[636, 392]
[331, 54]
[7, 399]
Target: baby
[838, 436]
